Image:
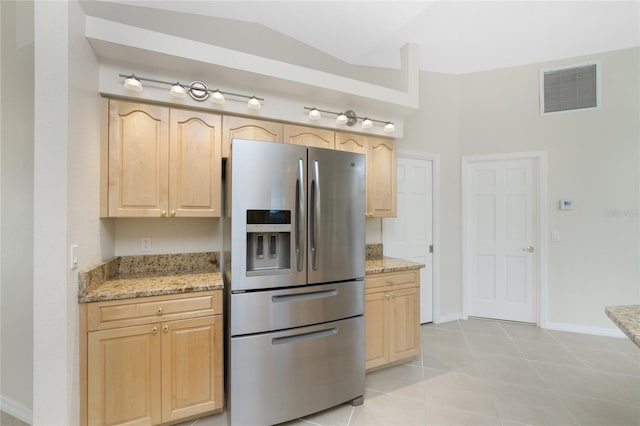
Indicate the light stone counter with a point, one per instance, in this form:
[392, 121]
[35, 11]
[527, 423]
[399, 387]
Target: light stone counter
[627, 318]
[390, 264]
[138, 276]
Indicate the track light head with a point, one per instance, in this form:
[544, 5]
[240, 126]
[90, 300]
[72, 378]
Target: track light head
[314, 114]
[389, 127]
[217, 97]
[254, 103]
[367, 123]
[132, 83]
[178, 91]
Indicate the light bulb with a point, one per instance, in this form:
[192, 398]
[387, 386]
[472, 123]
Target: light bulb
[342, 119]
[314, 115]
[389, 127]
[133, 84]
[367, 123]
[217, 97]
[254, 103]
[178, 91]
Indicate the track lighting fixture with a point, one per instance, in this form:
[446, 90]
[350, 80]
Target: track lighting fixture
[196, 89]
[350, 118]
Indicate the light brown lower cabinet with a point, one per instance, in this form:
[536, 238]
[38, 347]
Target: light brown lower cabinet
[392, 316]
[160, 371]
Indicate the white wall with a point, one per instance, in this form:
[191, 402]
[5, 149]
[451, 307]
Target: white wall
[592, 159]
[93, 236]
[16, 225]
[435, 128]
[172, 235]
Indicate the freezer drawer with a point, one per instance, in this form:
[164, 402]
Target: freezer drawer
[269, 310]
[274, 377]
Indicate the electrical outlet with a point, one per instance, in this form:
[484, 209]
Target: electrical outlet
[145, 244]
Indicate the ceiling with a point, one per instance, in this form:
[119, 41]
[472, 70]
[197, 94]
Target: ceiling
[454, 37]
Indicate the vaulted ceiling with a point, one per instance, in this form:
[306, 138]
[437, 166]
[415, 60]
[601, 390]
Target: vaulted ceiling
[455, 37]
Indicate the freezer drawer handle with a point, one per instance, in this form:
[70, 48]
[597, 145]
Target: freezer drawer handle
[305, 296]
[304, 336]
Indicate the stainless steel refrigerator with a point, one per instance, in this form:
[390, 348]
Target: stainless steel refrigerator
[294, 256]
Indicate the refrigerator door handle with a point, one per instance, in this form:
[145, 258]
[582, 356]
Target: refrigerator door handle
[299, 216]
[315, 211]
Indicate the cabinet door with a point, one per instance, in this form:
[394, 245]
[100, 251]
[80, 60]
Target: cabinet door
[246, 128]
[124, 376]
[404, 323]
[138, 159]
[350, 142]
[381, 177]
[191, 367]
[308, 136]
[195, 164]
[377, 335]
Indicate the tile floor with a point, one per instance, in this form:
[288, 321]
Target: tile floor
[484, 372]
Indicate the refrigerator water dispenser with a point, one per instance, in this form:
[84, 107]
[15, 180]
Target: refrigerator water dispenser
[268, 242]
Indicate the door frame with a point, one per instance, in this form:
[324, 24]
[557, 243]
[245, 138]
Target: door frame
[435, 218]
[540, 240]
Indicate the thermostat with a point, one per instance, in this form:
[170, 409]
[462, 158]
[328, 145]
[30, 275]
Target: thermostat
[566, 205]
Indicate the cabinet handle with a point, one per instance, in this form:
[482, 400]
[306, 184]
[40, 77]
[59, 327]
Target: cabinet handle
[154, 330]
[165, 328]
[173, 213]
[159, 311]
[164, 213]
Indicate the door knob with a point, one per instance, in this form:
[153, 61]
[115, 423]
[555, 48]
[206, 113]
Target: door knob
[530, 249]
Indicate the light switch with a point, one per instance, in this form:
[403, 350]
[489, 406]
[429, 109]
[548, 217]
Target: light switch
[555, 235]
[73, 257]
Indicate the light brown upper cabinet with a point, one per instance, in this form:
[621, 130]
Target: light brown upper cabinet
[247, 128]
[194, 164]
[350, 142]
[161, 162]
[309, 136]
[381, 177]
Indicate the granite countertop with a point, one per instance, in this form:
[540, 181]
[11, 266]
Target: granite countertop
[627, 317]
[138, 276]
[390, 264]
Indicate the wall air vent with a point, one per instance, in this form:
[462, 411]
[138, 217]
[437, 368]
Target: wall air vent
[576, 87]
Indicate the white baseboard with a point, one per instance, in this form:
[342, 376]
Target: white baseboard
[447, 318]
[16, 409]
[584, 329]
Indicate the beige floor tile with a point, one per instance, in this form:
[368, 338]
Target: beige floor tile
[393, 378]
[481, 326]
[627, 387]
[442, 338]
[509, 369]
[389, 410]
[9, 420]
[493, 345]
[527, 332]
[595, 412]
[459, 361]
[575, 381]
[451, 325]
[214, 420]
[439, 416]
[608, 361]
[623, 344]
[529, 405]
[547, 352]
[336, 416]
[581, 340]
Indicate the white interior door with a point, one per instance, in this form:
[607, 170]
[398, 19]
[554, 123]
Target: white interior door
[501, 212]
[410, 234]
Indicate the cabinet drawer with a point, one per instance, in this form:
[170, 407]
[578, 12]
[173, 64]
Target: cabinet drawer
[391, 279]
[145, 310]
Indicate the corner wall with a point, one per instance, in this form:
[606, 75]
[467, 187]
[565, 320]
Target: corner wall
[592, 160]
[16, 223]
